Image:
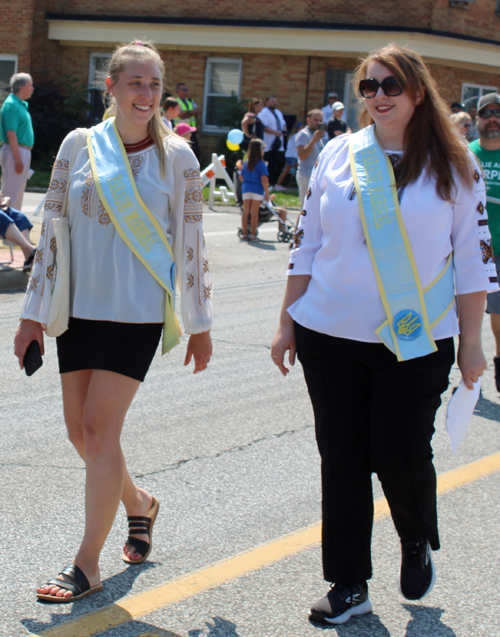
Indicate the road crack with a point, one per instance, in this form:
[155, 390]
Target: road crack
[224, 452]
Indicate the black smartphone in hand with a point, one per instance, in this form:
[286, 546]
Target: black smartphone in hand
[32, 358]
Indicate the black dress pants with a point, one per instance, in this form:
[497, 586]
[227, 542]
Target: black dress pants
[372, 414]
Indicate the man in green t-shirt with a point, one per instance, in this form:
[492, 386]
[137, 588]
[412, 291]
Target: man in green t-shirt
[487, 150]
[16, 134]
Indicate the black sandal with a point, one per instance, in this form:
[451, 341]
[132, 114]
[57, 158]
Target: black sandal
[141, 524]
[79, 586]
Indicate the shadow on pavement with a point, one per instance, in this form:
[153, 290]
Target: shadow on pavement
[426, 621]
[115, 588]
[220, 628]
[368, 625]
[487, 409]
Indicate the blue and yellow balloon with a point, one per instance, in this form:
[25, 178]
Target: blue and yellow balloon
[235, 136]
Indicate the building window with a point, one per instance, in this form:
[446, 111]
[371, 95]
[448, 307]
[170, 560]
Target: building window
[497, 8]
[98, 71]
[340, 81]
[8, 66]
[472, 92]
[221, 93]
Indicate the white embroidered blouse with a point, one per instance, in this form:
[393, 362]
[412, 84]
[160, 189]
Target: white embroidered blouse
[107, 281]
[342, 298]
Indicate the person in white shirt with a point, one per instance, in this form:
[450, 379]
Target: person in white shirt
[375, 412]
[171, 109]
[327, 109]
[274, 130]
[117, 307]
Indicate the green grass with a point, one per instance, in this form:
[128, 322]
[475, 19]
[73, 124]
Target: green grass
[287, 199]
[40, 179]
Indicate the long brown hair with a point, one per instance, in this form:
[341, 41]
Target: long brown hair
[431, 142]
[252, 103]
[143, 50]
[255, 151]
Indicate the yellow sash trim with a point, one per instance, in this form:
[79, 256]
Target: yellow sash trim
[408, 248]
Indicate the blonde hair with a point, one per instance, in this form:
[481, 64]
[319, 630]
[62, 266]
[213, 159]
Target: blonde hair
[143, 51]
[430, 143]
[460, 118]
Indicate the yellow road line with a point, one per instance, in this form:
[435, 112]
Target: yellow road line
[264, 555]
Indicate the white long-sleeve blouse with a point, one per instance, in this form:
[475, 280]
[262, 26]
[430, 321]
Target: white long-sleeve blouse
[108, 282]
[342, 298]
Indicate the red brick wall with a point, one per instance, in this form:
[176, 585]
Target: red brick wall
[478, 19]
[17, 25]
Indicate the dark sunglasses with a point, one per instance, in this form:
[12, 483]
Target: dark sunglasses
[369, 87]
[486, 113]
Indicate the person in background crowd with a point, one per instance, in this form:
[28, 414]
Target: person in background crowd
[473, 134]
[119, 300]
[189, 111]
[251, 125]
[309, 143]
[327, 110]
[355, 314]
[274, 131]
[15, 227]
[16, 133]
[255, 188]
[185, 131]
[487, 150]
[337, 126]
[291, 157]
[456, 107]
[171, 109]
[462, 123]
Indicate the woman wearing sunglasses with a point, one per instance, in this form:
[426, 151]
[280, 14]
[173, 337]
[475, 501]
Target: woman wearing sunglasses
[370, 311]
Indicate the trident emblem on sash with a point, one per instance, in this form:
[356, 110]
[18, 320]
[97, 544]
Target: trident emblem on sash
[407, 325]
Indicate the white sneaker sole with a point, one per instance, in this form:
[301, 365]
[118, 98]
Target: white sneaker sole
[363, 608]
[431, 585]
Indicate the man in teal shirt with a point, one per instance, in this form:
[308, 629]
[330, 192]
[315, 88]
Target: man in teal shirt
[16, 134]
[487, 150]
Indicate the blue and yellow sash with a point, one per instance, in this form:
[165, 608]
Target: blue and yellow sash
[132, 220]
[411, 311]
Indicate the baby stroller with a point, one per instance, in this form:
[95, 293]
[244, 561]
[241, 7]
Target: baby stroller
[268, 212]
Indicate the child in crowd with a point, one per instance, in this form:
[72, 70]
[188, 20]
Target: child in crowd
[255, 187]
[184, 130]
[171, 109]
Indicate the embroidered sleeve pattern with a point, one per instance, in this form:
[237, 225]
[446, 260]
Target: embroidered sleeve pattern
[37, 300]
[191, 255]
[473, 252]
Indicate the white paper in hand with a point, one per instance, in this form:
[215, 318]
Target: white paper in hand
[460, 410]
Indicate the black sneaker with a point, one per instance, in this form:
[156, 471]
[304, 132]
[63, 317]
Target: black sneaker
[496, 363]
[418, 574]
[341, 603]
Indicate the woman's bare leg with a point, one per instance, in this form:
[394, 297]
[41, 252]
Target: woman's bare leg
[137, 501]
[14, 235]
[284, 173]
[108, 398]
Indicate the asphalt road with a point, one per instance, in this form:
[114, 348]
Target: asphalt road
[231, 455]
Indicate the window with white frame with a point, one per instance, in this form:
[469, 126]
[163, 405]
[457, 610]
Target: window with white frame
[8, 66]
[471, 93]
[98, 70]
[222, 87]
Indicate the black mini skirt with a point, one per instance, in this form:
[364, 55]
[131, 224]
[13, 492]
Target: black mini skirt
[124, 348]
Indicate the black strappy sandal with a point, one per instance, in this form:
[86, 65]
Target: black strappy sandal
[79, 586]
[141, 524]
